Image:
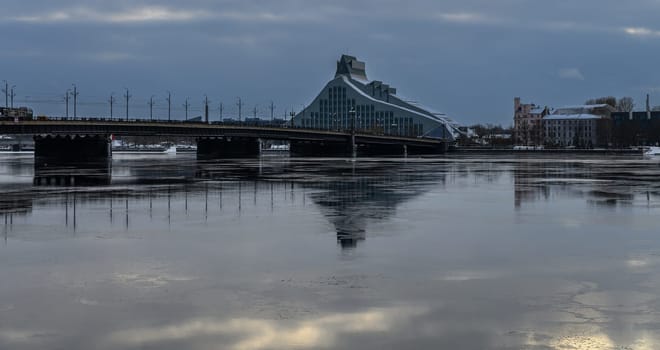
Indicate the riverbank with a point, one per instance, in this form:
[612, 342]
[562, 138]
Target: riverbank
[547, 151]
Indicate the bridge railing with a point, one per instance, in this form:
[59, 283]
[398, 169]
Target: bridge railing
[278, 123]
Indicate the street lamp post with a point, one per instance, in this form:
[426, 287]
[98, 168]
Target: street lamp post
[206, 109]
[128, 97]
[220, 109]
[151, 107]
[240, 108]
[6, 91]
[12, 95]
[169, 106]
[112, 102]
[66, 100]
[75, 94]
[186, 105]
[352, 113]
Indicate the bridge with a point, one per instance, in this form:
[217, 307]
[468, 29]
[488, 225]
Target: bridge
[85, 139]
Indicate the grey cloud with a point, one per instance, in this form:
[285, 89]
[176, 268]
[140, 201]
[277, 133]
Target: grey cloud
[467, 58]
[571, 73]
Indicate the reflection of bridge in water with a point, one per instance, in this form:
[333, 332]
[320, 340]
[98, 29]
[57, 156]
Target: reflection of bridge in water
[349, 194]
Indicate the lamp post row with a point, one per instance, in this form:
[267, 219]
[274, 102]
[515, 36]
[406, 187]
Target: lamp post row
[72, 95]
[9, 94]
[127, 96]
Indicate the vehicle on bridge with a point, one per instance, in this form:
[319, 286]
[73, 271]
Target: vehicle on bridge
[19, 113]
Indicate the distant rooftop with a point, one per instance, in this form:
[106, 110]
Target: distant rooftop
[537, 110]
[580, 116]
[586, 107]
[599, 105]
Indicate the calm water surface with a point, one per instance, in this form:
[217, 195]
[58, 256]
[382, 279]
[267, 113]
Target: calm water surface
[460, 252]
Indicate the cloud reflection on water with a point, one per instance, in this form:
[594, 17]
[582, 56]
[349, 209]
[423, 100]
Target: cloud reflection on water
[256, 334]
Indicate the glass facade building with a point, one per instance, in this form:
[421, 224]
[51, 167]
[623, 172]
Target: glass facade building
[351, 102]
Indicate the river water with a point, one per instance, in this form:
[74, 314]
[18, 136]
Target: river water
[459, 252]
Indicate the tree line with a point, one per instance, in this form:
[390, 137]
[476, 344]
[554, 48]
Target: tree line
[623, 104]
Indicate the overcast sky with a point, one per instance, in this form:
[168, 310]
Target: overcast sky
[467, 58]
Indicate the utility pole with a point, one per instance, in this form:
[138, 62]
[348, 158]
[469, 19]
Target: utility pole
[240, 107]
[6, 91]
[66, 99]
[75, 94]
[151, 107]
[206, 109]
[186, 105]
[128, 97]
[169, 106]
[352, 113]
[272, 110]
[12, 95]
[112, 101]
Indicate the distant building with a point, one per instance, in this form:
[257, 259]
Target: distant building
[636, 128]
[603, 110]
[584, 126]
[351, 101]
[527, 123]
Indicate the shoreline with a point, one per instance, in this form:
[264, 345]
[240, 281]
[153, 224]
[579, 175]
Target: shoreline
[547, 151]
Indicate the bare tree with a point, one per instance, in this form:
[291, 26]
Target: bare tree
[610, 100]
[625, 104]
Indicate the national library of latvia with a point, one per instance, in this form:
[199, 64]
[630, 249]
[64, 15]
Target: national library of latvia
[351, 102]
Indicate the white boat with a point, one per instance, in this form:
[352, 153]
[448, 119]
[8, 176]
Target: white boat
[652, 151]
[145, 150]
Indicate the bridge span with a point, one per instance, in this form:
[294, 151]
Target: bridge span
[90, 138]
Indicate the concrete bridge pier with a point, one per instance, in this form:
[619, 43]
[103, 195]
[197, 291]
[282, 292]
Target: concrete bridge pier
[228, 147]
[320, 148]
[71, 148]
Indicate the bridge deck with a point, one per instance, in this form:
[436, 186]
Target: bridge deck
[190, 129]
